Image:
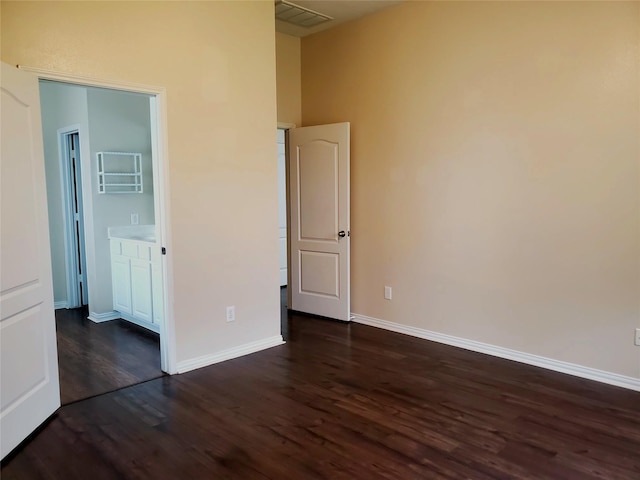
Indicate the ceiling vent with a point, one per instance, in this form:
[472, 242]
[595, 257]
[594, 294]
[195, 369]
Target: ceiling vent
[297, 15]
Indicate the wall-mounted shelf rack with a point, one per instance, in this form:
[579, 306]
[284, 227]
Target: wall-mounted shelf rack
[119, 172]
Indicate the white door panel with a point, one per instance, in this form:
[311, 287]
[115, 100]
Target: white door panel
[19, 197]
[318, 190]
[28, 357]
[320, 273]
[25, 330]
[320, 241]
[121, 280]
[141, 287]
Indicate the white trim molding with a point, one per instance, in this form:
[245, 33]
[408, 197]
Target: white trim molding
[91, 81]
[496, 351]
[103, 317]
[59, 305]
[246, 349]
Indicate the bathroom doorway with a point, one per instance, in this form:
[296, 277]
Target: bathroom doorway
[100, 350]
[73, 218]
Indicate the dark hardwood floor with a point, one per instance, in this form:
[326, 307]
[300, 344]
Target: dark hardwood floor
[345, 401]
[96, 358]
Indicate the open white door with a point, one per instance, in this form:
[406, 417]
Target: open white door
[320, 237]
[29, 388]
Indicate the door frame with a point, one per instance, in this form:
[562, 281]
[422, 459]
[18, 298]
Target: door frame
[160, 165]
[71, 259]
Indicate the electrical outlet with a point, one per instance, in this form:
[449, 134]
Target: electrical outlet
[387, 293]
[231, 313]
[134, 219]
[637, 342]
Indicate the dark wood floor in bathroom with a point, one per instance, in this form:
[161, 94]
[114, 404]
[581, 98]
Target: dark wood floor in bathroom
[96, 358]
[345, 401]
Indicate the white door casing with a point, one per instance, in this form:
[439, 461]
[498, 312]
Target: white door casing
[29, 387]
[161, 184]
[320, 237]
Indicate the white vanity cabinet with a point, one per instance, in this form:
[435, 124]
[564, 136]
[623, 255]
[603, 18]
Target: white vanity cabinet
[137, 282]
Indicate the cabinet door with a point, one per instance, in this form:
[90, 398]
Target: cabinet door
[141, 298]
[121, 279]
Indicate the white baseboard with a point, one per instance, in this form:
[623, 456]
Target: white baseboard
[235, 352]
[522, 357]
[59, 305]
[103, 317]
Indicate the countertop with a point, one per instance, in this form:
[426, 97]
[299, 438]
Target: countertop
[138, 233]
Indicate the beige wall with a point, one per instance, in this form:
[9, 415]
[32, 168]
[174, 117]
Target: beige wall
[288, 78]
[495, 170]
[217, 62]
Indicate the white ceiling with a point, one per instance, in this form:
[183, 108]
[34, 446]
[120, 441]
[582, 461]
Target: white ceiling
[341, 10]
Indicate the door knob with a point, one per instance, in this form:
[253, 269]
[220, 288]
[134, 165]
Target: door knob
[341, 234]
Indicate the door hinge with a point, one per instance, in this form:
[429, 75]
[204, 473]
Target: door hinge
[164, 251]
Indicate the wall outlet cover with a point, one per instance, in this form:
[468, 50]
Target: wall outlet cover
[637, 340]
[387, 293]
[231, 313]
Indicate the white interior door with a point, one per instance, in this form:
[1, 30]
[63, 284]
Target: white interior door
[320, 237]
[29, 388]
